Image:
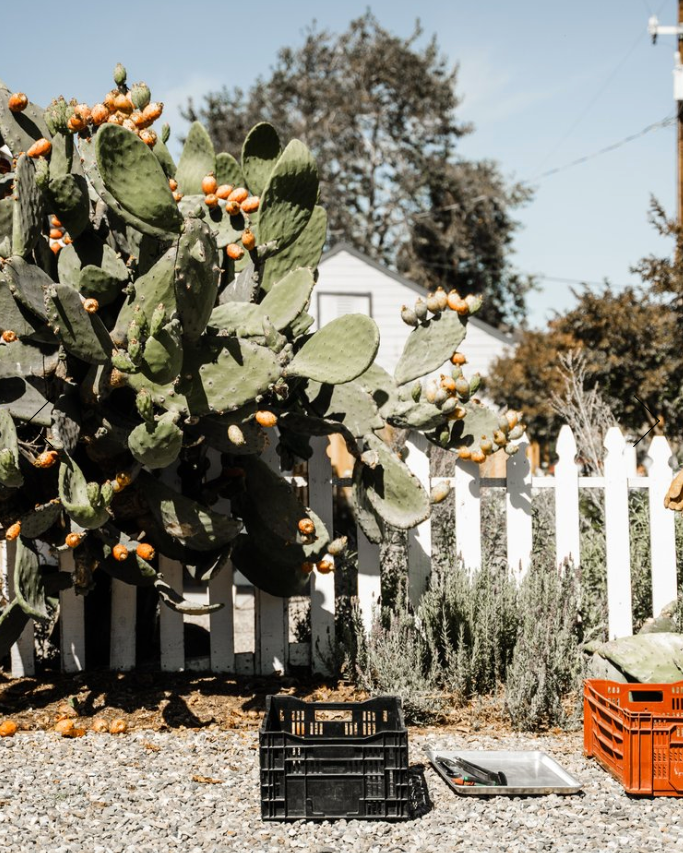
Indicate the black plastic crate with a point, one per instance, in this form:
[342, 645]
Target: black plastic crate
[327, 760]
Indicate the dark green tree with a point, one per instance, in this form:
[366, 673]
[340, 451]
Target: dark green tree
[379, 113]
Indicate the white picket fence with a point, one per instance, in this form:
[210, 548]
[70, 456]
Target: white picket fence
[273, 651]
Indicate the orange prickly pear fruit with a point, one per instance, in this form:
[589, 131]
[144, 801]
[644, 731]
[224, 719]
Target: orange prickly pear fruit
[325, 566]
[120, 552]
[248, 240]
[46, 459]
[99, 114]
[464, 453]
[234, 251]
[41, 148]
[173, 184]
[448, 384]
[209, 184]
[478, 456]
[8, 336]
[55, 248]
[17, 102]
[13, 531]
[232, 208]
[266, 419]
[8, 728]
[306, 526]
[211, 200]
[224, 190]
[458, 358]
[250, 204]
[145, 551]
[73, 540]
[239, 194]
[152, 111]
[91, 305]
[149, 137]
[56, 233]
[123, 479]
[118, 727]
[307, 568]
[55, 222]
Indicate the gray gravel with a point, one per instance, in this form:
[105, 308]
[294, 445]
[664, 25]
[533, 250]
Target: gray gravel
[105, 794]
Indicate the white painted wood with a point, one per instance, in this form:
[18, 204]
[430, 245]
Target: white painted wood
[244, 663]
[124, 598]
[22, 654]
[299, 654]
[320, 497]
[71, 621]
[171, 628]
[369, 581]
[271, 622]
[420, 537]
[567, 524]
[222, 622]
[662, 526]
[468, 514]
[617, 537]
[518, 510]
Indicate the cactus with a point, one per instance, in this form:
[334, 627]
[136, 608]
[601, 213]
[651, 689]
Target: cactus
[151, 340]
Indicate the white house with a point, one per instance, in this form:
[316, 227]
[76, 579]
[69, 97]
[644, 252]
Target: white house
[352, 283]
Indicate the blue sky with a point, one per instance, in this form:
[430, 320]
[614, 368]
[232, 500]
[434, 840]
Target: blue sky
[544, 84]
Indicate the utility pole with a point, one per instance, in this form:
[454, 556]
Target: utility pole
[656, 30]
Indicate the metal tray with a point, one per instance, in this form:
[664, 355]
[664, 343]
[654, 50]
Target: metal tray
[528, 773]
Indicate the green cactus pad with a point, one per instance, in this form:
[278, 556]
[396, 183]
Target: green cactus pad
[348, 404]
[62, 155]
[156, 445]
[133, 176]
[305, 251]
[228, 229]
[23, 401]
[192, 524]
[6, 218]
[196, 278]
[231, 316]
[393, 491]
[71, 202]
[339, 352]
[196, 161]
[14, 317]
[163, 155]
[429, 346]
[82, 334]
[97, 283]
[10, 474]
[228, 170]
[13, 620]
[24, 360]
[421, 416]
[28, 283]
[381, 387]
[175, 601]
[268, 572]
[260, 152]
[479, 422]
[215, 432]
[225, 373]
[39, 520]
[20, 130]
[157, 286]
[73, 492]
[288, 198]
[29, 587]
[367, 519]
[29, 208]
[66, 422]
[288, 298]
[162, 357]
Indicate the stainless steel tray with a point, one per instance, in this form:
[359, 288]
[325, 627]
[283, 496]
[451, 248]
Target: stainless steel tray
[527, 773]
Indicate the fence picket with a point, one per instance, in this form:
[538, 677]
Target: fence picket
[171, 623]
[518, 510]
[617, 537]
[71, 621]
[22, 655]
[662, 527]
[320, 498]
[271, 623]
[420, 537]
[369, 580]
[124, 598]
[567, 524]
[468, 513]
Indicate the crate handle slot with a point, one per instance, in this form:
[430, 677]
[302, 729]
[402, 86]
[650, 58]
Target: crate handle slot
[645, 696]
[322, 715]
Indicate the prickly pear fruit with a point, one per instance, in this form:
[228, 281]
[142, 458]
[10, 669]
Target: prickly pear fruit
[408, 316]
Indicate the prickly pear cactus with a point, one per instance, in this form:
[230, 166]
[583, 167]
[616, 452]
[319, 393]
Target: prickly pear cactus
[153, 317]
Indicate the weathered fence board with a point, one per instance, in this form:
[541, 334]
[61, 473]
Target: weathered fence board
[518, 510]
[567, 522]
[618, 558]
[468, 513]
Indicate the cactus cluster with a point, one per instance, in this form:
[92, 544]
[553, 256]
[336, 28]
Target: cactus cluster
[153, 319]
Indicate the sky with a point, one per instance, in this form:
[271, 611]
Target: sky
[543, 83]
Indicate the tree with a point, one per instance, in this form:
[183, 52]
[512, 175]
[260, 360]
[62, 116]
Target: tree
[379, 113]
[630, 342]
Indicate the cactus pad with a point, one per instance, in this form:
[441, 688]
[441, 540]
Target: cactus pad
[260, 152]
[356, 336]
[196, 160]
[429, 346]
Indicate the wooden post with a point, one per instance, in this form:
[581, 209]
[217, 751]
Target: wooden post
[124, 597]
[171, 623]
[617, 538]
[662, 527]
[420, 537]
[322, 586]
[369, 580]
[567, 522]
[71, 621]
[518, 510]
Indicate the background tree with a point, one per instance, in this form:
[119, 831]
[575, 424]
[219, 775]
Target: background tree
[379, 113]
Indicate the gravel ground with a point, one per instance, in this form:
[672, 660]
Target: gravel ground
[198, 791]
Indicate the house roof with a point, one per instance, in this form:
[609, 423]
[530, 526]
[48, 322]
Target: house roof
[338, 248]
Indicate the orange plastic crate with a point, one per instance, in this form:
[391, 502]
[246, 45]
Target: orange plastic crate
[635, 731]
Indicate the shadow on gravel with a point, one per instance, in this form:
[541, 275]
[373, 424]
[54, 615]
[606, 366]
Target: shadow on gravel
[420, 801]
